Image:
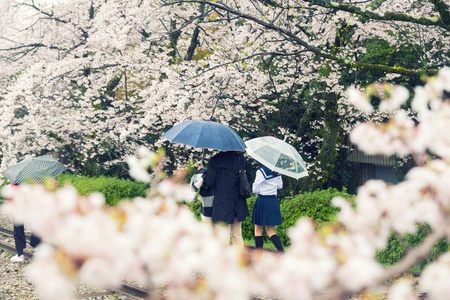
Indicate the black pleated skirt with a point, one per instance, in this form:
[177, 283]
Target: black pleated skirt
[266, 211]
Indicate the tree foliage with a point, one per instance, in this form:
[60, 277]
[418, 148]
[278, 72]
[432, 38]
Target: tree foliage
[94, 80]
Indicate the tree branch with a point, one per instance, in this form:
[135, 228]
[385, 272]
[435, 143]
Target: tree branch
[194, 39]
[315, 50]
[443, 11]
[387, 16]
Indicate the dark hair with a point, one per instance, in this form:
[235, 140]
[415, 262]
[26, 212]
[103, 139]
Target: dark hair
[260, 165]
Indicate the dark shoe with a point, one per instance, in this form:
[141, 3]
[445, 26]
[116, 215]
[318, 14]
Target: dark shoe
[259, 241]
[276, 241]
[34, 241]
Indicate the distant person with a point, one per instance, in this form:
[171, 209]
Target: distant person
[20, 240]
[267, 209]
[223, 176]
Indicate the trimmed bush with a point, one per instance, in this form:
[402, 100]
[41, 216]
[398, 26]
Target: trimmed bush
[398, 246]
[314, 205]
[114, 189]
[317, 206]
[194, 207]
[248, 229]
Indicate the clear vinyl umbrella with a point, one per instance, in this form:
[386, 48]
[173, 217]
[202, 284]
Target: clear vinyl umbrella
[277, 155]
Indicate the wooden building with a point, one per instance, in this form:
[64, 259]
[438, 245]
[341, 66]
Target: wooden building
[372, 166]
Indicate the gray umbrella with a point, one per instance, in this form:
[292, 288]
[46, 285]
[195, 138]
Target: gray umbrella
[34, 169]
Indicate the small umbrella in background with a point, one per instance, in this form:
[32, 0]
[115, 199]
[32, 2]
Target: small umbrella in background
[205, 134]
[34, 169]
[277, 155]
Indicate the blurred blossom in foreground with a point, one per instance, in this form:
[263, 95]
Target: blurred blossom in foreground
[402, 290]
[359, 100]
[161, 243]
[139, 165]
[436, 278]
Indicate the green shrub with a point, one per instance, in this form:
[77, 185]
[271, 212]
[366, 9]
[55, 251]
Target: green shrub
[114, 189]
[195, 207]
[314, 205]
[399, 245]
[248, 229]
[394, 251]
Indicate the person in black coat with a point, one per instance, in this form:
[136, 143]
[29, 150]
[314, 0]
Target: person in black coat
[228, 207]
[20, 240]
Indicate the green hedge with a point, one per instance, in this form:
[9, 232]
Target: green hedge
[315, 205]
[114, 189]
[248, 229]
[195, 207]
[398, 246]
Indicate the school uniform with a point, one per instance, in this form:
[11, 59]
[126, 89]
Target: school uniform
[267, 209]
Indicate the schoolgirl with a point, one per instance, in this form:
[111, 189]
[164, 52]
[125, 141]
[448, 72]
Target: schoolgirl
[267, 209]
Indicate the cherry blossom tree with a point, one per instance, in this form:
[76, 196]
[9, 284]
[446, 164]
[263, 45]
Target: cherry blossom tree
[157, 242]
[94, 80]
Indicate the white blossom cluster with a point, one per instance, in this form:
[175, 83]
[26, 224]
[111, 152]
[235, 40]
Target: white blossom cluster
[158, 242]
[95, 75]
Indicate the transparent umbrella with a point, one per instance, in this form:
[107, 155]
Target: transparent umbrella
[277, 155]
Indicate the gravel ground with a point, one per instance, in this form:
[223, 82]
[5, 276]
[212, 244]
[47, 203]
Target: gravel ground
[15, 285]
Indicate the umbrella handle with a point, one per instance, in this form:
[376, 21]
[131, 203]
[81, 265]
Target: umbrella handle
[203, 155]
